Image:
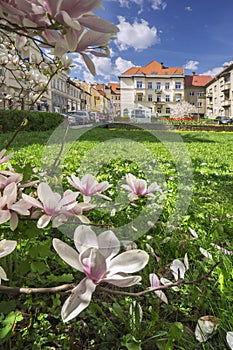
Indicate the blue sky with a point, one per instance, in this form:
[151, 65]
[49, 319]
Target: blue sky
[196, 35]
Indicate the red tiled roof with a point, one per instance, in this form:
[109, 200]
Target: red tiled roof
[115, 87]
[154, 68]
[197, 80]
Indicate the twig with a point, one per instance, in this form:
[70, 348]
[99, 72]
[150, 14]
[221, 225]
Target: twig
[69, 287]
[19, 290]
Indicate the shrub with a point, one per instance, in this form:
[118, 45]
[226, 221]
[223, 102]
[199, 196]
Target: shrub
[36, 121]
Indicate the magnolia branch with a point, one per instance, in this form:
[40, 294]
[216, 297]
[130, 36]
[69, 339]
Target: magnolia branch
[68, 287]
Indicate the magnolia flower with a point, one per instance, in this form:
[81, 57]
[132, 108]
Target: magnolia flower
[6, 158]
[51, 203]
[138, 187]
[6, 247]
[206, 325]
[96, 257]
[178, 268]
[10, 178]
[155, 283]
[89, 187]
[10, 207]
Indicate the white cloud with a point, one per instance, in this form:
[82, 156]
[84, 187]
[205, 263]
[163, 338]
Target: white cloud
[216, 70]
[106, 69]
[155, 4]
[188, 8]
[158, 4]
[137, 35]
[191, 65]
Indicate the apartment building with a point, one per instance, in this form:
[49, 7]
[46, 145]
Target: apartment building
[113, 93]
[154, 87]
[219, 94]
[194, 91]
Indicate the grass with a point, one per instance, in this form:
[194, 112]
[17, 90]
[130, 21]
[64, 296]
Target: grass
[196, 169]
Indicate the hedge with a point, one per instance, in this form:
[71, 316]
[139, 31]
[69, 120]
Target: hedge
[36, 121]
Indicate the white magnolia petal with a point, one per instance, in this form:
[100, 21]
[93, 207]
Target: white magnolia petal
[205, 327]
[206, 254]
[3, 275]
[186, 262]
[68, 254]
[79, 300]
[49, 198]
[84, 238]
[109, 245]
[166, 281]
[229, 338]
[43, 221]
[178, 269]
[128, 262]
[7, 247]
[162, 296]
[123, 281]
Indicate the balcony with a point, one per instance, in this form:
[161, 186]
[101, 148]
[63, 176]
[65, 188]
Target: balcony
[226, 86]
[209, 94]
[226, 103]
[158, 91]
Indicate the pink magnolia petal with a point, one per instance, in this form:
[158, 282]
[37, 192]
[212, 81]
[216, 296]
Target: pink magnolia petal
[89, 63]
[109, 245]
[75, 182]
[79, 300]
[154, 280]
[94, 264]
[92, 39]
[64, 17]
[49, 198]
[68, 254]
[10, 191]
[14, 221]
[84, 238]
[5, 215]
[153, 187]
[128, 262]
[123, 281]
[98, 24]
[32, 201]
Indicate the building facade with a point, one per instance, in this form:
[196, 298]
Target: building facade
[195, 92]
[153, 87]
[219, 94]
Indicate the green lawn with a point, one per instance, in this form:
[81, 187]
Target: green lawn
[195, 169]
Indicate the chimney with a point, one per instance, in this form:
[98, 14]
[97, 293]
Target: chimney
[193, 73]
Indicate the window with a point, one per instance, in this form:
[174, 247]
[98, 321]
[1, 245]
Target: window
[191, 93]
[149, 85]
[149, 98]
[199, 104]
[140, 98]
[167, 98]
[139, 84]
[158, 99]
[178, 85]
[159, 110]
[200, 94]
[167, 86]
[168, 111]
[178, 98]
[158, 86]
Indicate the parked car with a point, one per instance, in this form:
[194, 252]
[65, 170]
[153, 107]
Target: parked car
[224, 120]
[78, 117]
[94, 116]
